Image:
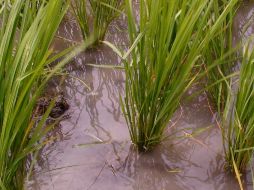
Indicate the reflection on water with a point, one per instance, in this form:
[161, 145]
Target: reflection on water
[243, 22]
[92, 150]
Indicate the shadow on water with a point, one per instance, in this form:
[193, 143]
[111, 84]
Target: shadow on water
[92, 150]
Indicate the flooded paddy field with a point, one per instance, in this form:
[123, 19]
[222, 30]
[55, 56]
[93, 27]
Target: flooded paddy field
[92, 149]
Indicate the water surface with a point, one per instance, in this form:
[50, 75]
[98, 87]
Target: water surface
[93, 151]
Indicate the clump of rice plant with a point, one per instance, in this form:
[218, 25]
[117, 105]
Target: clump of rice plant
[79, 8]
[167, 43]
[238, 137]
[102, 13]
[221, 50]
[24, 54]
[32, 8]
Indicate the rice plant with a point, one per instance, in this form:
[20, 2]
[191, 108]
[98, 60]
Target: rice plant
[34, 6]
[220, 49]
[239, 139]
[79, 8]
[24, 54]
[167, 43]
[102, 13]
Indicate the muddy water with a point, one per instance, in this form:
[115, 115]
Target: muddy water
[93, 151]
[244, 20]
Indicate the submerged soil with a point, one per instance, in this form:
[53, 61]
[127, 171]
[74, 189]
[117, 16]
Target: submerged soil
[93, 151]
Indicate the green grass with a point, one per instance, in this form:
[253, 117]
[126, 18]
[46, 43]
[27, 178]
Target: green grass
[167, 43]
[24, 54]
[100, 12]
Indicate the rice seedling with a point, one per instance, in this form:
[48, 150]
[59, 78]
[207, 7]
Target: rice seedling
[167, 43]
[21, 65]
[103, 12]
[220, 49]
[238, 138]
[33, 8]
[24, 54]
[79, 8]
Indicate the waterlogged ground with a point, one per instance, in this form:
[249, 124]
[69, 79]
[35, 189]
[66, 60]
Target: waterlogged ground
[93, 151]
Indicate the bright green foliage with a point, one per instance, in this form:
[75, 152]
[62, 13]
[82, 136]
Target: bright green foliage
[81, 13]
[221, 50]
[34, 6]
[239, 139]
[24, 55]
[24, 50]
[103, 12]
[167, 43]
